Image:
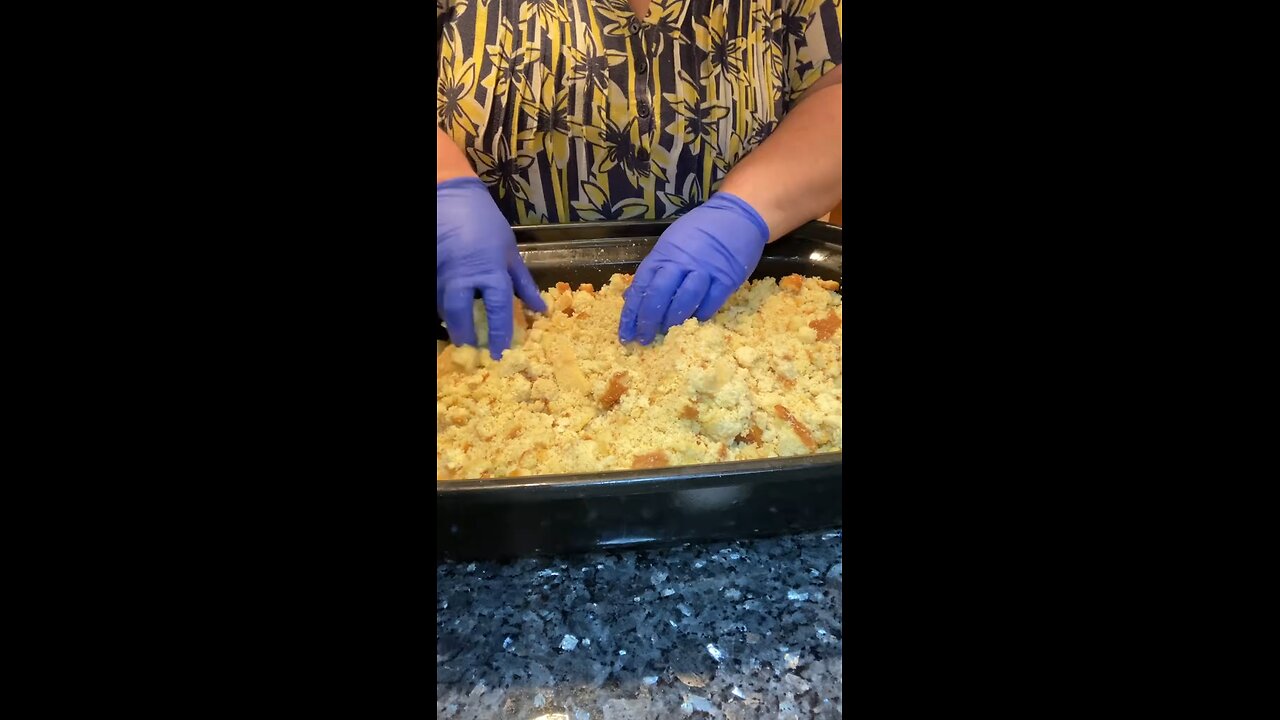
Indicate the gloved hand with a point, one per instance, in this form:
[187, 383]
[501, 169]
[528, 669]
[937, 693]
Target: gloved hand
[476, 250]
[696, 265]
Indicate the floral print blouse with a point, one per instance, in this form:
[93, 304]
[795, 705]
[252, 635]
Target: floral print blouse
[579, 110]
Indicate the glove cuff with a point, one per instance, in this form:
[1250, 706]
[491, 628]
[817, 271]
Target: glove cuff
[731, 202]
[460, 183]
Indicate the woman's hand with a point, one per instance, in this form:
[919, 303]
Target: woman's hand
[476, 251]
[696, 265]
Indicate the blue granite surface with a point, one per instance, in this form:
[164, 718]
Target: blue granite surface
[727, 630]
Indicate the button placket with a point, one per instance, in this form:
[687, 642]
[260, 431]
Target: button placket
[644, 104]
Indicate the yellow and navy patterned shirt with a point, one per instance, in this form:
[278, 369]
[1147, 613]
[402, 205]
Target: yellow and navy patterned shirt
[579, 110]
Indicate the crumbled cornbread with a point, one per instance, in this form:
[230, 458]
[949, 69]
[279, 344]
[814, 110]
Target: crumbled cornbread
[761, 379]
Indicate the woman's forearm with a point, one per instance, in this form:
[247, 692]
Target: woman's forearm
[450, 162]
[794, 176]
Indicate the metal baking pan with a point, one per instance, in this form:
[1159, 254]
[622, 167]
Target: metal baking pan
[510, 517]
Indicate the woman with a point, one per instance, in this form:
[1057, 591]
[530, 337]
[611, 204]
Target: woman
[725, 112]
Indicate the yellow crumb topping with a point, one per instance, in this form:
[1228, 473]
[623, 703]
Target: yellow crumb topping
[761, 379]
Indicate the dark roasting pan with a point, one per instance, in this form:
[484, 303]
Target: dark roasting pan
[509, 517]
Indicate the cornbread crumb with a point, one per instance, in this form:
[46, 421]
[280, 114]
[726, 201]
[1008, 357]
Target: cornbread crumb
[826, 327]
[761, 379]
[655, 459]
[801, 431]
[613, 393]
[755, 436]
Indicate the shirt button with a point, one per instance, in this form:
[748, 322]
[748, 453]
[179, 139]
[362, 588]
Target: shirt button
[642, 109]
[634, 26]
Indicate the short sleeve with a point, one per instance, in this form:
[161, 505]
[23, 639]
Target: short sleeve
[812, 42]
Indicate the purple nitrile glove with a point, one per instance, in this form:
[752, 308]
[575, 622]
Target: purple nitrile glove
[476, 250]
[696, 265]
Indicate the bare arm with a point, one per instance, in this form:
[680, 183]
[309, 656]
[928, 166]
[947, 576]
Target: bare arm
[450, 162]
[795, 175]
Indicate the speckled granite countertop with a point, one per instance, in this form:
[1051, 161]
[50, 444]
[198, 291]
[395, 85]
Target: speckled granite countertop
[727, 630]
